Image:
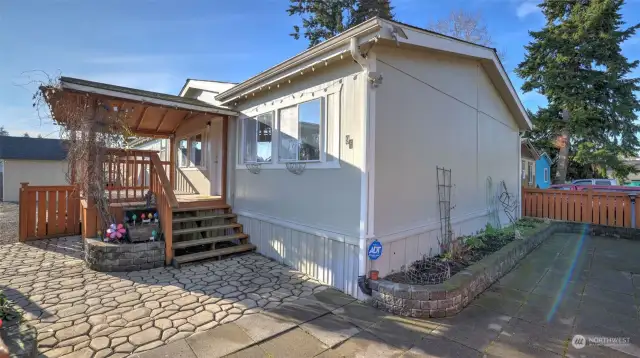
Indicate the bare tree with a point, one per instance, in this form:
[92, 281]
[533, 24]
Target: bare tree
[465, 26]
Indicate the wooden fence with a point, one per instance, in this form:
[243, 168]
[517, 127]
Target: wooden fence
[48, 211]
[588, 206]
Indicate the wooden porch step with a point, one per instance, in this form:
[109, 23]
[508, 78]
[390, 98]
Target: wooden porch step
[206, 228]
[198, 208]
[204, 217]
[213, 253]
[208, 240]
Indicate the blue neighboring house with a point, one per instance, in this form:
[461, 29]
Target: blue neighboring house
[543, 171]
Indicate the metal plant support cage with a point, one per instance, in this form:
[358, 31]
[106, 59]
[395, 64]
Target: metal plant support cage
[296, 168]
[254, 168]
[427, 271]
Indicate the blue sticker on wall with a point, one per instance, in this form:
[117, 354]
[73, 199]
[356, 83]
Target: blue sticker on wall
[375, 250]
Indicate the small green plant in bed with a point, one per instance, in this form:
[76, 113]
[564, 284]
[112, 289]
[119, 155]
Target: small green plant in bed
[463, 251]
[8, 311]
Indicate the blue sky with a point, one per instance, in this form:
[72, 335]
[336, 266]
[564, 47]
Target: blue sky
[156, 45]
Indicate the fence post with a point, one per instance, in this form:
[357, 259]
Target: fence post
[590, 205]
[632, 196]
[22, 212]
[522, 201]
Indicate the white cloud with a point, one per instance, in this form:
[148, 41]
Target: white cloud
[527, 8]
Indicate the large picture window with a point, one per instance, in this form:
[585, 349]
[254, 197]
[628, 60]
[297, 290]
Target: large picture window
[258, 132]
[296, 128]
[300, 132]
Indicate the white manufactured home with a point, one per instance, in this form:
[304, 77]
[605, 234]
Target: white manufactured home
[338, 146]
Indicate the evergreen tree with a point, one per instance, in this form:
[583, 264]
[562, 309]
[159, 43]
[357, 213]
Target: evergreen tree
[577, 63]
[3, 132]
[323, 19]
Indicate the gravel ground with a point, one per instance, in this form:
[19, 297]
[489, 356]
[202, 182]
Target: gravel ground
[8, 223]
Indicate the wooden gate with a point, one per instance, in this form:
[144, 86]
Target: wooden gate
[48, 211]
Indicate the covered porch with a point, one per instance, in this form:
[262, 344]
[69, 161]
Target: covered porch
[120, 178]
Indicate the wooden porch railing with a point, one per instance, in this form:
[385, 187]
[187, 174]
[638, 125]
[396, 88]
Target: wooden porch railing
[596, 207]
[165, 202]
[48, 211]
[127, 173]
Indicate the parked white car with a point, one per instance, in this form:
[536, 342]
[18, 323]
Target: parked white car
[595, 182]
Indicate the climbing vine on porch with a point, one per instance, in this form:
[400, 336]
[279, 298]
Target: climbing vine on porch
[90, 125]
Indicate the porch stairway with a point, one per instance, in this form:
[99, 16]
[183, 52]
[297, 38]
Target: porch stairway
[203, 233]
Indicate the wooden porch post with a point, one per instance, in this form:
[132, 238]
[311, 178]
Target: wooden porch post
[225, 143]
[172, 161]
[22, 212]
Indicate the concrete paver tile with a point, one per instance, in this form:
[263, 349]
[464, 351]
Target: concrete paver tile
[220, 341]
[295, 344]
[298, 312]
[402, 332]
[363, 345]
[330, 329]
[251, 352]
[531, 338]
[436, 347]
[177, 349]
[260, 326]
[360, 314]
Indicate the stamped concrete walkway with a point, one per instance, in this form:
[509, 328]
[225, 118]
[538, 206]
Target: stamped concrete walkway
[571, 285]
[82, 313]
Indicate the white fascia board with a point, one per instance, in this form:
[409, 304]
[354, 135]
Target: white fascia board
[314, 56]
[144, 99]
[487, 57]
[211, 86]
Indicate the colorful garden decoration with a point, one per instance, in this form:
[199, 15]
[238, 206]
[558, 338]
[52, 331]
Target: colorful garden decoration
[153, 235]
[116, 232]
[144, 219]
[134, 217]
[156, 217]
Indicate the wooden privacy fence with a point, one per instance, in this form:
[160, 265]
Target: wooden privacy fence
[48, 211]
[595, 207]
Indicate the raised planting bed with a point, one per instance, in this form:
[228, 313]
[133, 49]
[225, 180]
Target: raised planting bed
[473, 268]
[123, 256]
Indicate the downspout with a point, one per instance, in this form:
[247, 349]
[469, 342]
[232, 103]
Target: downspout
[363, 283]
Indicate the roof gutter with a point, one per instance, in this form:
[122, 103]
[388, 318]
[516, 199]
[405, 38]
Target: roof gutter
[332, 44]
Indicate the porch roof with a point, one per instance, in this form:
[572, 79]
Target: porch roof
[153, 114]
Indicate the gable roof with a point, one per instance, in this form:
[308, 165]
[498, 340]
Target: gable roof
[400, 34]
[527, 150]
[546, 157]
[135, 94]
[25, 148]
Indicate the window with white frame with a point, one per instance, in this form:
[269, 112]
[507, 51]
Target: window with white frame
[296, 128]
[530, 173]
[300, 132]
[546, 175]
[163, 150]
[258, 133]
[191, 151]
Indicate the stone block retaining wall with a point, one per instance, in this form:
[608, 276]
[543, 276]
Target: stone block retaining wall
[451, 296]
[103, 256]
